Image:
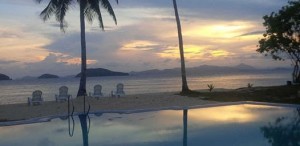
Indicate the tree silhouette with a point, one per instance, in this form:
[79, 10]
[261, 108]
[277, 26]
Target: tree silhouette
[185, 89]
[282, 37]
[89, 9]
[285, 131]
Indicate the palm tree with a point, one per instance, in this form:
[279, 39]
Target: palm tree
[185, 89]
[88, 9]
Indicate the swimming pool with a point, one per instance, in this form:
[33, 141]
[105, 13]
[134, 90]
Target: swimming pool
[231, 125]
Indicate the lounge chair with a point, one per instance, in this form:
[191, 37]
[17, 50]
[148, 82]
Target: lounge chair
[63, 94]
[97, 92]
[119, 92]
[36, 98]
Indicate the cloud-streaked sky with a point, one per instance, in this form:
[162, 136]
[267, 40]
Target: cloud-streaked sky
[216, 32]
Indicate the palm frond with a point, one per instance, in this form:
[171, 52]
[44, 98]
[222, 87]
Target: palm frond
[89, 12]
[60, 13]
[49, 10]
[59, 8]
[94, 6]
[107, 6]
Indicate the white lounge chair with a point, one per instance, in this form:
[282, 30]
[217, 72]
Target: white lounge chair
[97, 92]
[36, 98]
[63, 94]
[119, 92]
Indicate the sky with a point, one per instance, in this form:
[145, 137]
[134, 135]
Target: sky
[215, 32]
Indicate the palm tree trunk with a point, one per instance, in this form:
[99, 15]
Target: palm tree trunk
[82, 85]
[185, 87]
[84, 129]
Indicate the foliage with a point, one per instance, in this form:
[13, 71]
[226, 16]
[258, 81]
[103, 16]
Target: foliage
[249, 85]
[210, 87]
[282, 37]
[277, 94]
[285, 131]
[59, 8]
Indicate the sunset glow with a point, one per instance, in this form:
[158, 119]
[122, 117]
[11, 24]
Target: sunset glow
[225, 30]
[139, 45]
[146, 33]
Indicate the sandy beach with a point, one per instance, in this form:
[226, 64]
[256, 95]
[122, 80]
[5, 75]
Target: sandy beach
[16, 112]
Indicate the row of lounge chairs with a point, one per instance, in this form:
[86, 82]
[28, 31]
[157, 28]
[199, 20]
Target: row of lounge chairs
[64, 96]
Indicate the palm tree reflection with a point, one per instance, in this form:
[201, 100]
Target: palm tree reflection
[84, 122]
[84, 128]
[185, 124]
[284, 131]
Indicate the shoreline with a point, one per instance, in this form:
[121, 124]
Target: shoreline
[154, 101]
[21, 112]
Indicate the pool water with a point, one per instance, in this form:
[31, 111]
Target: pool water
[233, 125]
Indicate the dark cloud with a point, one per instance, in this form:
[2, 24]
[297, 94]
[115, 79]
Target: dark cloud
[252, 33]
[213, 9]
[4, 62]
[167, 60]
[58, 25]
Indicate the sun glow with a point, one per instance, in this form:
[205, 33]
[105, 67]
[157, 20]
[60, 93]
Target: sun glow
[191, 52]
[139, 45]
[224, 30]
[194, 52]
[220, 53]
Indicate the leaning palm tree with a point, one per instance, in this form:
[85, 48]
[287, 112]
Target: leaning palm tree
[185, 89]
[88, 9]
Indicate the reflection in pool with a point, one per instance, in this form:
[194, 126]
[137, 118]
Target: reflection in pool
[238, 125]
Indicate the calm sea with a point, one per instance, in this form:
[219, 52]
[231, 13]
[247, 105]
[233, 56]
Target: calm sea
[17, 91]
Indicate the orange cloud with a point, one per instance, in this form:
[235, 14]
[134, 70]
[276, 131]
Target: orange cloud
[139, 45]
[194, 52]
[22, 46]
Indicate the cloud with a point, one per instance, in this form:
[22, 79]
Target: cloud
[57, 25]
[52, 65]
[145, 38]
[5, 62]
[259, 32]
[216, 9]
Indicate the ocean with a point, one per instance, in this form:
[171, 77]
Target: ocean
[17, 91]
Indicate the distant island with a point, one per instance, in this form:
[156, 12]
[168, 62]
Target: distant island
[101, 72]
[205, 70]
[48, 76]
[4, 77]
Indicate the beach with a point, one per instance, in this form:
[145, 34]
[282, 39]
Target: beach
[138, 102]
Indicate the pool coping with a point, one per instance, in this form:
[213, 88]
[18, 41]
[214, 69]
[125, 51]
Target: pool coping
[49, 118]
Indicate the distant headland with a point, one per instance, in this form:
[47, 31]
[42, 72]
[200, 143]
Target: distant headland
[4, 77]
[48, 76]
[101, 72]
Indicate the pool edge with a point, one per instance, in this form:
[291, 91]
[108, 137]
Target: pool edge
[49, 118]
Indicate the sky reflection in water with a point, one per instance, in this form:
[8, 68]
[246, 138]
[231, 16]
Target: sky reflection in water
[214, 126]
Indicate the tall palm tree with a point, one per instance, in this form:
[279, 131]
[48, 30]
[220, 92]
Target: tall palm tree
[185, 88]
[88, 9]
